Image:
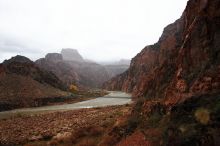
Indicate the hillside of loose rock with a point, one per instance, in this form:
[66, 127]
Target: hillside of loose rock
[23, 84]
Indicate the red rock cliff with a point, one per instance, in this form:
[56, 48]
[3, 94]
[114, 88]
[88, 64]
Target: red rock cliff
[183, 62]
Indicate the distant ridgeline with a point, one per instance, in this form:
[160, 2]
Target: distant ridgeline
[71, 68]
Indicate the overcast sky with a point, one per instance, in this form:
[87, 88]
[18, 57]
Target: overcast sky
[101, 30]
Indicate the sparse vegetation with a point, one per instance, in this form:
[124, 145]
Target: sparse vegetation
[79, 127]
[203, 116]
[73, 88]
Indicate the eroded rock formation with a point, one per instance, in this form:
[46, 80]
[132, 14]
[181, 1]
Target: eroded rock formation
[183, 62]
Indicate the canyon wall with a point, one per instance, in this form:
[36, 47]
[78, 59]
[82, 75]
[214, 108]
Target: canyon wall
[185, 60]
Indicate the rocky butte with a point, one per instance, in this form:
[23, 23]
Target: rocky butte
[71, 55]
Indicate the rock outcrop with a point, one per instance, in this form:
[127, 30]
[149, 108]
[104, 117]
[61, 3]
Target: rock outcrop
[54, 57]
[185, 61]
[22, 83]
[71, 55]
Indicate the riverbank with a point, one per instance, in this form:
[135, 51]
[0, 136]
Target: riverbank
[66, 98]
[78, 96]
[113, 98]
[56, 127]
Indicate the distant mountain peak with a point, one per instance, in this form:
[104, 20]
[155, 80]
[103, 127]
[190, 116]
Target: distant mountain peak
[71, 55]
[54, 57]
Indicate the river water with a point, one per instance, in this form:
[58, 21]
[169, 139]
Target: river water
[113, 98]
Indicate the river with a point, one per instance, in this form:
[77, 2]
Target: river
[113, 98]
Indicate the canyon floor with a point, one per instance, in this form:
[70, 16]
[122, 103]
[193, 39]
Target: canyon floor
[59, 127]
[57, 123]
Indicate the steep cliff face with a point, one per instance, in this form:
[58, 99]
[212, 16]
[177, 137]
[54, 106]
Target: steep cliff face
[183, 62]
[71, 55]
[176, 83]
[153, 65]
[54, 57]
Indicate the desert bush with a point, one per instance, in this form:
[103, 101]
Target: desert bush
[87, 132]
[202, 115]
[109, 140]
[61, 138]
[133, 122]
[78, 134]
[73, 88]
[87, 142]
[96, 131]
[154, 119]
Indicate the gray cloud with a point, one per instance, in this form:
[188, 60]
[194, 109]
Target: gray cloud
[8, 44]
[101, 30]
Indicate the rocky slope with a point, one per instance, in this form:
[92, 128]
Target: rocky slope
[71, 68]
[22, 84]
[183, 62]
[44, 129]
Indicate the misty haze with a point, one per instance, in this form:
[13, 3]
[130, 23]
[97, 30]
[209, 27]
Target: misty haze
[99, 30]
[109, 73]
